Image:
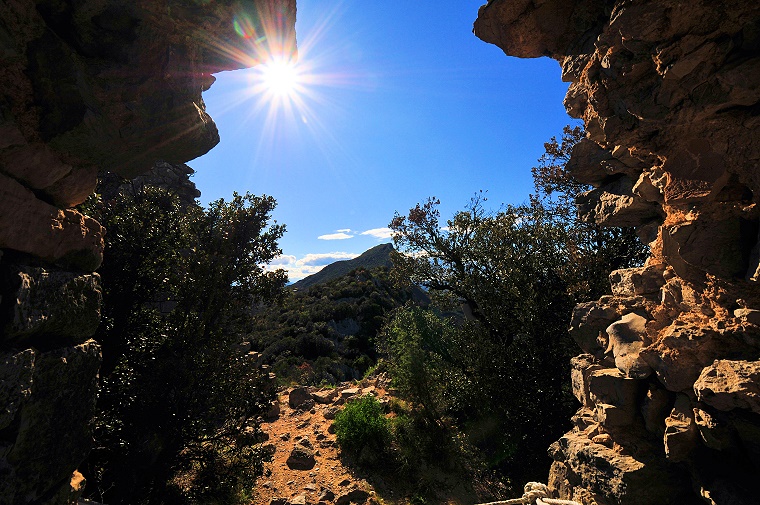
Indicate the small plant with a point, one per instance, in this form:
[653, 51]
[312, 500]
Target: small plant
[361, 427]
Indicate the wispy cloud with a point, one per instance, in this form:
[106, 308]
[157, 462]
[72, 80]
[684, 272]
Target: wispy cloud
[298, 268]
[322, 259]
[344, 230]
[381, 233]
[340, 235]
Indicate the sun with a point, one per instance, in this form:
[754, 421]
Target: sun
[280, 78]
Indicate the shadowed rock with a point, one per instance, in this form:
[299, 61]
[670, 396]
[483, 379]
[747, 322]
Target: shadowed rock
[301, 458]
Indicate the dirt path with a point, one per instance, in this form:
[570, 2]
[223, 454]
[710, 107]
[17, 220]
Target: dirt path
[306, 467]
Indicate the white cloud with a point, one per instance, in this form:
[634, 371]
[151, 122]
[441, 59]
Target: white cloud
[283, 260]
[335, 236]
[298, 268]
[381, 233]
[322, 259]
[344, 230]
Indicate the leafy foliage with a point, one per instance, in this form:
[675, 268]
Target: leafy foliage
[507, 269]
[361, 426]
[418, 345]
[594, 250]
[327, 333]
[496, 370]
[177, 398]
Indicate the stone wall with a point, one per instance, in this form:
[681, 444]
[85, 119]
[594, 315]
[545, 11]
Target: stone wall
[669, 381]
[89, 86]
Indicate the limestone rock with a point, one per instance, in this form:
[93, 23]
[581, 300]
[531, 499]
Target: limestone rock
[581, 367]
[615, 204]
[626, 339]
[529, 30]
[299, 500]
[82, 94]
[612, 416]
[301, 458]
[605, 475]
[715, 433]
[88, 86]
[39, 387]
[326, 396]
[15, 383]
[298, 396]
[683, 351]
[668, 94]
[63, 237]
[349, 393]
[594, 165]
[50, 302]
[637, 281]
[174, 177]
[273, 411]
[711, 245]
[588, 325]
[751, 316]
[655, 407]
[353, 496]
[610, 386]
[680, 430]
[727, 385]
[326, 495]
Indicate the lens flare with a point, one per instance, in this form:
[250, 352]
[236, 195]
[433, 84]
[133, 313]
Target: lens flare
[289, 91]
[281, 77]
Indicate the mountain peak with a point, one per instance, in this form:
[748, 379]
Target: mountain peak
[378, 256]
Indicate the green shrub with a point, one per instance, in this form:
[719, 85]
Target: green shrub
[361, 427]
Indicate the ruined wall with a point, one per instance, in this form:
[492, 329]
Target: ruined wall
[669, 92]
[86, 86]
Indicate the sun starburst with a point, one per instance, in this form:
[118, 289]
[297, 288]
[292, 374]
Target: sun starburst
[281, 78]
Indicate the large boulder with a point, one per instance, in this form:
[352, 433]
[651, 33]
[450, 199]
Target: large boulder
[301, 458]
[299, 396]
[727, 385]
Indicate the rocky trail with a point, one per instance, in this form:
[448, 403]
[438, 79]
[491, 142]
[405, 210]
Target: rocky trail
[307, 466]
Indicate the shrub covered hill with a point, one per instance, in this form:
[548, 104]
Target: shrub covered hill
[378, 256]
[325, 328]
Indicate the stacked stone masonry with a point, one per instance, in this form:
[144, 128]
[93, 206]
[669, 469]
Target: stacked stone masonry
[86, 87]
[669, 382]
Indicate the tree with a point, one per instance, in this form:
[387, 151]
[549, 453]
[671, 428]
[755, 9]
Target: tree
[178, 399]
[500, 370]
[595, 251]
[503, 369]
[507, 268]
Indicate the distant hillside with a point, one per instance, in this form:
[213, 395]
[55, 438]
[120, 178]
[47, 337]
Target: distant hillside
[378, 256]
[329, 332]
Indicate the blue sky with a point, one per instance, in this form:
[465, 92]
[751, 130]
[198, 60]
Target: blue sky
[396, 101]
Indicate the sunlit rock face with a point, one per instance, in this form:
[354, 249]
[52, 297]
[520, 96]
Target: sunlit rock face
[89, 86]
[669, 92]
